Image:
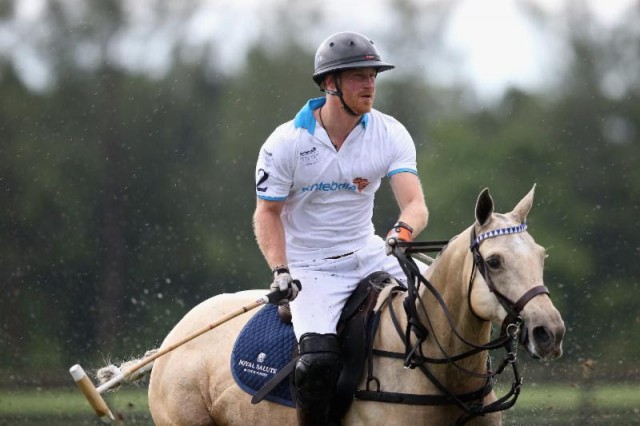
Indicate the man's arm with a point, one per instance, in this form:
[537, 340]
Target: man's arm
[413, 209]
[269, 232]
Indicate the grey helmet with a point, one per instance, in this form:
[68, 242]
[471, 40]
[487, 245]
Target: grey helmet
[346, 50]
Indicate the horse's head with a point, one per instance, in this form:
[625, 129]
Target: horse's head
[510, 282]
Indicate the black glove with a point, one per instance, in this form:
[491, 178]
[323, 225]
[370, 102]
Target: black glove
[284, 284]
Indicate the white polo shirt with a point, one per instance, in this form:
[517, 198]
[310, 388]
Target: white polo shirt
[329, 194]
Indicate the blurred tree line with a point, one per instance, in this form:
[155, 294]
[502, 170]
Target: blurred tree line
[127, 198]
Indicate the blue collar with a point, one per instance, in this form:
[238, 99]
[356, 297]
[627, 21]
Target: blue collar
[305, 119]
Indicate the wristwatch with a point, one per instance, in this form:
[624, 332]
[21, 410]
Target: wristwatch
[404, 225]
[280, 269]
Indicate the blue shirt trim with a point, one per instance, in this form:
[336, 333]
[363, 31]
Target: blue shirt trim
[396, 171]
[305, 119]
[263, 197]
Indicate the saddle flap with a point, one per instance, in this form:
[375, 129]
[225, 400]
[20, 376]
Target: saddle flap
[263, 348]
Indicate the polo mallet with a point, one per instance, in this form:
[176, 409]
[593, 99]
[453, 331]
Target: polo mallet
[93, 394]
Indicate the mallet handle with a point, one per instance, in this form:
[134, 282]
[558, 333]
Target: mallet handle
[271, 297]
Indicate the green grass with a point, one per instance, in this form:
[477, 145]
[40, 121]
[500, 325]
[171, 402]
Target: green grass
[557, 404]
[542, 404]
[568, 397]
[67, 401]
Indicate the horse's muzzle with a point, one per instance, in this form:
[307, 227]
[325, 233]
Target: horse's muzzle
[546, 342]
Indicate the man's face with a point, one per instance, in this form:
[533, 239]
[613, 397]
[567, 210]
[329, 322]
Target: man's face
[358, 88]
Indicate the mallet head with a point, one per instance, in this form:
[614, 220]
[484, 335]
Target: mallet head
[91, 393]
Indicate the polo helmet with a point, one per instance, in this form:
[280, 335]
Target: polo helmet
[346, 50]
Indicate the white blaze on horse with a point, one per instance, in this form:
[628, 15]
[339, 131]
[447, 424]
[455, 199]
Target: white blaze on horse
[491, 273]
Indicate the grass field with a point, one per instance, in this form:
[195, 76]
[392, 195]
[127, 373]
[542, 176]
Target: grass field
[555, 404]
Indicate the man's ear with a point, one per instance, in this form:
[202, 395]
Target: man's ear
[329, 82]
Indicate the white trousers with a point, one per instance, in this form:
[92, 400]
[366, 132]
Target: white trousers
[328, 283]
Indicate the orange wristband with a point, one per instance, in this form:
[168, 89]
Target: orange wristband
[404, 231]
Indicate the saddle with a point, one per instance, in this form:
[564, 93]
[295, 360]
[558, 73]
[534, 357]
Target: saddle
[266, 334]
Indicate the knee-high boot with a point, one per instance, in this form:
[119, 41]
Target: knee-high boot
[315, 378]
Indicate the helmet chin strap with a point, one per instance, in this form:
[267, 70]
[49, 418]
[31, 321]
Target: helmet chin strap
[338, 93]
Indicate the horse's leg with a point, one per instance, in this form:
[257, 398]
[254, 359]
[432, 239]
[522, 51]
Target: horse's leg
[182, 402]
[491, 419]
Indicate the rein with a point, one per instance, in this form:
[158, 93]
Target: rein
[413, 357]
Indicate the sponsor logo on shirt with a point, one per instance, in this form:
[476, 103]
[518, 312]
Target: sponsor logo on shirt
[329, 187]
[308, 152]
[267, 157]
[309, 157]
[361, 183]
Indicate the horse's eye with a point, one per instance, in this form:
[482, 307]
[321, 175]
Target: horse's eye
[493, 262]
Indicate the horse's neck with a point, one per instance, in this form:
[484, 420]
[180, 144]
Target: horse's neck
[450, 275]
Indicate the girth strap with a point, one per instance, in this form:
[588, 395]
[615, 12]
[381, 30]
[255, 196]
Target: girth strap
[412, 399]
[275, 381]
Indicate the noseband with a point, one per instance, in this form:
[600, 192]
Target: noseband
[479, 264]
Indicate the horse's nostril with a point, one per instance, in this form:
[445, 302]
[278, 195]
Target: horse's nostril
[543, 338]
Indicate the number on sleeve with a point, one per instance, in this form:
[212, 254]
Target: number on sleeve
[262, 177]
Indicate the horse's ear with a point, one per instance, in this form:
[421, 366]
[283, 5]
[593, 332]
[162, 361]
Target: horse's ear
[521, 211]
[484, 207]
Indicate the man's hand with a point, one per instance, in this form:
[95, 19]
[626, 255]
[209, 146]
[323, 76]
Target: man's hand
[400, 232]
[283, 283]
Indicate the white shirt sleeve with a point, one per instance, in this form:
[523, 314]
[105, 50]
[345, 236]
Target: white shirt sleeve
[275, 168]
[404, 156]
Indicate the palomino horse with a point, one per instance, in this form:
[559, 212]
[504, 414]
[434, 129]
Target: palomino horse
[498, 279]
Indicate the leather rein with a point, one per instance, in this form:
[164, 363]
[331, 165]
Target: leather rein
[415, 333]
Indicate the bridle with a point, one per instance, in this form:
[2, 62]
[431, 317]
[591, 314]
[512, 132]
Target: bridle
[512, 327]
[479, 264]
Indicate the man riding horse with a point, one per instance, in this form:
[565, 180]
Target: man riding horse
[316, 177]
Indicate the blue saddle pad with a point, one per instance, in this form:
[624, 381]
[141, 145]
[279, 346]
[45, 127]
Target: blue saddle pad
[263, 347]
